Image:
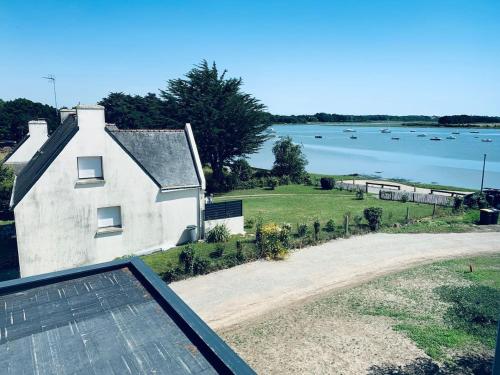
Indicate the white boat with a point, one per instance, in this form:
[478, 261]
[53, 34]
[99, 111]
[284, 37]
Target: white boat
[451, 137]
[474, 131]
[349, 131]
[386, 130]
[422, 135]
[487, 140]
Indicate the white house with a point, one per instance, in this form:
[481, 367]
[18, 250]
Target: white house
[28, 146]
[93, 193]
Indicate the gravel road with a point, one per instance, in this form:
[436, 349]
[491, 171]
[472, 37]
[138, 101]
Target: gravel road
[231, 296]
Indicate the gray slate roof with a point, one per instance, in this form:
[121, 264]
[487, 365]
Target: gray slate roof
[165, 155]
[35, 168]
[115, 318]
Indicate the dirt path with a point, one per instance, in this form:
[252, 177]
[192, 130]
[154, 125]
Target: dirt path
[405, 187]
[230, 296]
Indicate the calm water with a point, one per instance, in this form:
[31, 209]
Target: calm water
[456, 162]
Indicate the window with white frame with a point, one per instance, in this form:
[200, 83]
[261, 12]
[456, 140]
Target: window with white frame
[109, 217]
[89, 167]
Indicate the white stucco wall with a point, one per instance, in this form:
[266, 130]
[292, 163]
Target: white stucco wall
[234, 224]
[56, 222]
[37, 137]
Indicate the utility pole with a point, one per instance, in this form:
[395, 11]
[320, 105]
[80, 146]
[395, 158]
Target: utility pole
[482, 178]
[52, 79]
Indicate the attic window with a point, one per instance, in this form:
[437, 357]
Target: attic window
[89, 167]
[109, 217]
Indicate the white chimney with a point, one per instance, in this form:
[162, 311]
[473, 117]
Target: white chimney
[65, 112]
[37, 129]
[90, 117]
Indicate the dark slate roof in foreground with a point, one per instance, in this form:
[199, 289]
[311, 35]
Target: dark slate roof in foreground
[35, 168]
[165, 155]
[114, 318]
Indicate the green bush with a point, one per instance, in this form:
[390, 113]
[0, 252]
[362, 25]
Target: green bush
[249, 223]
[218, 252]
[360, 195]
[405, 197]
[272, 182]
[302, 229]
[330, 225]
[374, 217]
[285, 180]
[201, 266]
[327, 183]
[476, 200]
[458, 203]
[358, 220]
[218, 233]
[186, 258]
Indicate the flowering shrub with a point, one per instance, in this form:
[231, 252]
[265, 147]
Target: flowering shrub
[272, 239]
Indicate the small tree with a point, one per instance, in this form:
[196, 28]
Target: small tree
[289, 160]
[317, 228]
[186, 258]
[457, 204]
[374, 217]
[360, 195]
[327, 183]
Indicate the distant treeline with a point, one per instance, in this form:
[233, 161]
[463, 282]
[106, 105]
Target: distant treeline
[465, 119]
[150, 111]
[333, 117]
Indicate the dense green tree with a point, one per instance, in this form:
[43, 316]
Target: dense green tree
[135, 111]
[227, 122]
[6, 182]
[15, 114]
[289, 160]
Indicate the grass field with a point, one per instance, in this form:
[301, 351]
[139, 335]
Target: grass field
[434, 317]
[299, 203]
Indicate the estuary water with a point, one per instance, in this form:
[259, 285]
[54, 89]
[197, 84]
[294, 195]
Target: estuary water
[455, 162]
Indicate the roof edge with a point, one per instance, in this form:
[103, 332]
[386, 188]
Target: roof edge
[215, 350]
[16, 147]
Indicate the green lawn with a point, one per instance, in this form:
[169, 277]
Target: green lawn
[299, 203]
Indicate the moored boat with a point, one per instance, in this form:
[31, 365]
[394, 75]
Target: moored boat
[386, 130]
[451, 137]
[488, 140]
[435, 139]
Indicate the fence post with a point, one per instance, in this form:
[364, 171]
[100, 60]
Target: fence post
[367, 187]
[346, 225]
[407, 214]
[434, 210]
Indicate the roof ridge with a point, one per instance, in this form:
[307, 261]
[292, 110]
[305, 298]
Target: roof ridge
[114, 128]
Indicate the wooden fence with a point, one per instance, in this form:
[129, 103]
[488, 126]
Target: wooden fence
[398, 195]
[349, 187]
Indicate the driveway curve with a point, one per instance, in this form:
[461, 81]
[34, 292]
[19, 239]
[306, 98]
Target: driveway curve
[230, 296]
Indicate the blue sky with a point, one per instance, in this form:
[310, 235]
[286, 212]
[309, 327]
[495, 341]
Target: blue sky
[352, 57]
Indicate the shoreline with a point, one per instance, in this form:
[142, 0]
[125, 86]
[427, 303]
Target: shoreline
[398, 123]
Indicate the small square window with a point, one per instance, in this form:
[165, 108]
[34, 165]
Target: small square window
[89, 167]
[109, 217]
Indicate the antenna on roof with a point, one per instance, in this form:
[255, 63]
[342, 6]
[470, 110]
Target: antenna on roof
[52, 78]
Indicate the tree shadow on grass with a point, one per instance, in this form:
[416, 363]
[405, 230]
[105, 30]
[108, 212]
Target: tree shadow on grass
[463, 365]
